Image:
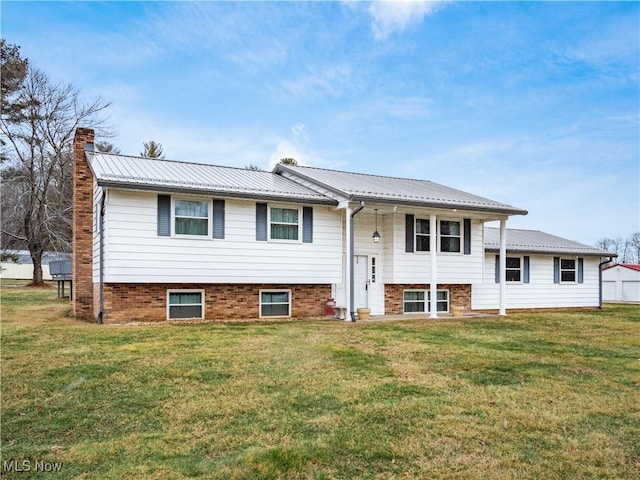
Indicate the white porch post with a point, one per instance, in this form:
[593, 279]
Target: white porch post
[433, 287]
[503, 266]
[347, 263]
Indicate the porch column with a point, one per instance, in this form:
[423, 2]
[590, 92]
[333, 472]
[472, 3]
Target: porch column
[433, 303]
[503, 265]
[347, 264]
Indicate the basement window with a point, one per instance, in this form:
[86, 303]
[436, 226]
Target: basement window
[275, 303]
[418, 301]
[185, 304]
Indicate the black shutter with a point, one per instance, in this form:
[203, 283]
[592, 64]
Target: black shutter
[497, 268]
[164, 215]
[467, 236]
[525, 269]
[307, 225]
[218, 219]
[261, 222]
[580, 270]
[556, 269]
[409, 233]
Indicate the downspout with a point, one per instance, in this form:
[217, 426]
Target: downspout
[351, 261]
[503, 267]
[600, 280]
[100, 287]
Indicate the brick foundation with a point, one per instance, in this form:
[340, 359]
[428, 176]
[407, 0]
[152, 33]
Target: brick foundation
[459, 294]
[124, 303]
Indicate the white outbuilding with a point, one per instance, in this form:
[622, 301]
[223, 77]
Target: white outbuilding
[621, 283]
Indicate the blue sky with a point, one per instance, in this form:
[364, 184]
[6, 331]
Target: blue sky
[533, 104]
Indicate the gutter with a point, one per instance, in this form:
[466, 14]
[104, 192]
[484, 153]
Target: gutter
[351, 261]
[518, 251]
[101, 282]
[600, 265]
[149, 187]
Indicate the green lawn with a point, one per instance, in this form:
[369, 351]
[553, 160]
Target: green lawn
[530, 396]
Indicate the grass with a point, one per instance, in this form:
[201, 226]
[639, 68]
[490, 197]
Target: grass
[532, 396]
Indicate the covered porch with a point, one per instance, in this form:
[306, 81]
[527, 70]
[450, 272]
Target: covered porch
[389, 248]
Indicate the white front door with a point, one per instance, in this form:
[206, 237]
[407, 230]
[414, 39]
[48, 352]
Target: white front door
[360, 281]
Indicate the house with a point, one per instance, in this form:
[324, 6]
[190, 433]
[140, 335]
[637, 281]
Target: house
[542, 271]
[159, 240]
[621, 283]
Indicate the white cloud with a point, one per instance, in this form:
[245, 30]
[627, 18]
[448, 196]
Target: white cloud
[287, 149]
[396, 16]
[300, 148]
[332, 80]
[300, 132]
[297, 147]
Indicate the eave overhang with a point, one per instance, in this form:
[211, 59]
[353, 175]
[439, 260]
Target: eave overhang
[191, 190]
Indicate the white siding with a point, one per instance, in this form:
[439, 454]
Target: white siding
[135, 253]
[97, 198]
[364, 226]
[540, 292]
[622, 284]
[394, 265]
[388, 241]
[451, 267]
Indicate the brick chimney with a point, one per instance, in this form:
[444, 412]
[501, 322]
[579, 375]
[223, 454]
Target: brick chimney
[82, 227]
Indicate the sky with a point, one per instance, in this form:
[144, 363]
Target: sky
[534, 104]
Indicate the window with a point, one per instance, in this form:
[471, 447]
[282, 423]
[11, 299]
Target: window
[422, 235]
[185, 304]
[373, 269]
[417, 301]
[284, 223]
[449, 236]
[414, 301]
[191, 217]
[275, 303]
[442, 300]
[567, 270]
[514, 269]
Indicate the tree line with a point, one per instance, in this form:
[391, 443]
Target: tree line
[627, 249]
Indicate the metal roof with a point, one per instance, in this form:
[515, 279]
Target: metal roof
[168, 175]
[535, 241]
[360, 187]
[631, 266]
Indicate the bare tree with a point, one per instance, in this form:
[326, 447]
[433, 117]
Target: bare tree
[37, 176]
[628, 249]
[634, 247]
[253, 167]
[605, 244]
